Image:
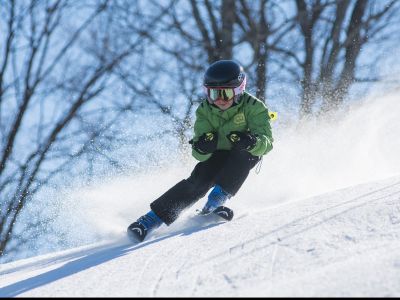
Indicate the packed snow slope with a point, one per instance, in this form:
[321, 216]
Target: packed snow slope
[342, 243]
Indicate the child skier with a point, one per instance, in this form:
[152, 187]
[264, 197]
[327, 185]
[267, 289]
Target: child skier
[231, 133]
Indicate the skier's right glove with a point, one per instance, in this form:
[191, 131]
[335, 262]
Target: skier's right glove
[207, 143]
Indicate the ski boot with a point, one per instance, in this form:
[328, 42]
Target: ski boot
[138, 230]
[214, 205]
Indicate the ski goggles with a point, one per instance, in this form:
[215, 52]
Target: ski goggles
[225, 94]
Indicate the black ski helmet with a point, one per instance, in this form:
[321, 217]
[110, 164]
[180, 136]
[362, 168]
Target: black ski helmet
[224, 73]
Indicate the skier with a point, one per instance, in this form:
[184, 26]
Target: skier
[231, 133]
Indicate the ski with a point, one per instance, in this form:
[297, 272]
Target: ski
[222, 211]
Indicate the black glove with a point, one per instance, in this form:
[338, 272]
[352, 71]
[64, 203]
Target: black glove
[207, 143]
[242, 140]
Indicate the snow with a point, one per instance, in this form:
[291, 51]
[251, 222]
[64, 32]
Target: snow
[322, 218]
[343, 243]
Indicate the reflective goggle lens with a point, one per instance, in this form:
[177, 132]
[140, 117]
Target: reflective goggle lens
[226, 94]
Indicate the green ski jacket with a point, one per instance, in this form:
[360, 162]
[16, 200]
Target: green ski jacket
[248, 115]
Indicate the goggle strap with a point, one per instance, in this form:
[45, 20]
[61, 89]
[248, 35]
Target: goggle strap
[238, 90]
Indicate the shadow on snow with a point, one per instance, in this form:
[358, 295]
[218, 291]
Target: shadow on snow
[89, 260]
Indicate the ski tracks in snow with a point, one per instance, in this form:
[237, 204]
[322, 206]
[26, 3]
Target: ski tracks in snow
[281, 237]
[319, 218]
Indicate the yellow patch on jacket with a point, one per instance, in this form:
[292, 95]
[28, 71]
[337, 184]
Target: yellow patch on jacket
[239, 119]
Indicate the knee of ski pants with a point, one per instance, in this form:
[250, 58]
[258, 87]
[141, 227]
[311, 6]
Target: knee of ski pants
[169, 205]
[236, 170]
[245, 156]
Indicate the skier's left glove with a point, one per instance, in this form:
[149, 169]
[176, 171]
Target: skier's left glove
[242, 140]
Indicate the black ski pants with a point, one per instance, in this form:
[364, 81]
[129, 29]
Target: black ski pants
[227, 168]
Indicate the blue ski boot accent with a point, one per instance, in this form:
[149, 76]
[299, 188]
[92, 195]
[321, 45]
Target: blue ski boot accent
[139, 229]
[216, 198]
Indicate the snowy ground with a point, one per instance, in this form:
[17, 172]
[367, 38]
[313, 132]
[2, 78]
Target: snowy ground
[342, 243]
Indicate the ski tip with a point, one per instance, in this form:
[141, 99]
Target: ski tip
[224, 212]
[136, 232]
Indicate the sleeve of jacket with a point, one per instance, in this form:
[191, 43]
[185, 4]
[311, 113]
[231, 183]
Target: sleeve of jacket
[258, 123]
[201, 125]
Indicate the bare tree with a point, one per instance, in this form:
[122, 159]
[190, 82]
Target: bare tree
[194, 34]
[323, 58]
[54, 73]
[215, 24]
[197, 33]
[262, 25]
[206, 31]
[334, 34]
